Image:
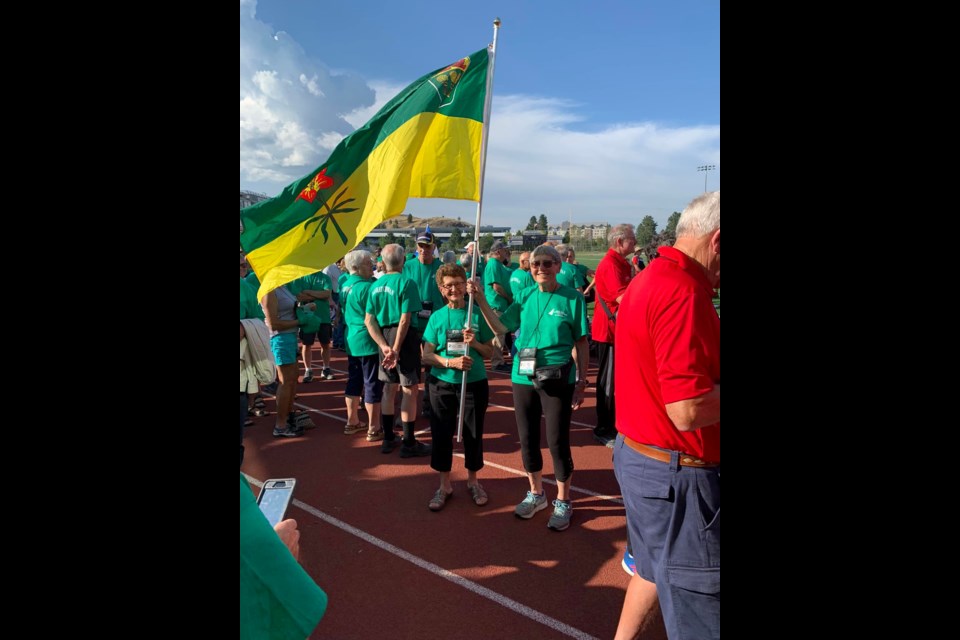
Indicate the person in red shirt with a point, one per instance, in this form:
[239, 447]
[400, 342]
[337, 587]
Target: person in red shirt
[667, 455]
[610, 281]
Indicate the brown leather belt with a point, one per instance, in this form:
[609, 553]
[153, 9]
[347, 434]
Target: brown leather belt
[664, 456]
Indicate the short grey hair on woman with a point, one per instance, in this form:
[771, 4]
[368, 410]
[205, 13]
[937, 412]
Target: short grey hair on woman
[354, 259]
[564, 251]
[393, 255]
[702, 216]
[618, 232]
[466, 261]
[545, 250]
[449, 257]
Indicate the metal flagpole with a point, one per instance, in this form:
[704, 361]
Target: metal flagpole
[487, 102]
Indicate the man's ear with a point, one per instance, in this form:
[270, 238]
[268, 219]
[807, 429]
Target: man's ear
[715, 241]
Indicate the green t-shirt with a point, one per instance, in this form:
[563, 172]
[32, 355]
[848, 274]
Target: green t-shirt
[278, 598]
[425, 278]
[436, 334]
[514, 266]
[318, 281]
[343, 278]
[568, 275]
[480, 268]
[254, 283]
[582, 270]
[353, 301]
[496, 273]
[391, 296]
[520, 280]
[249, 307]
[552, 323]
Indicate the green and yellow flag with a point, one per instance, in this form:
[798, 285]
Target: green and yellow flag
[425, 143]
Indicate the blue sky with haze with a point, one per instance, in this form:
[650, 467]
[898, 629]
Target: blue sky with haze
[601, 111]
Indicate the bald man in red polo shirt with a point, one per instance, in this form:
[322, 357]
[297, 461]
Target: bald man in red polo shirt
[667, 456]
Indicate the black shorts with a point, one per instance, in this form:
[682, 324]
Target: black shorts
[323, 333]
[407, 371]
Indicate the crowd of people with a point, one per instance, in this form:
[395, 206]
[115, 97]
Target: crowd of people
[439, 319]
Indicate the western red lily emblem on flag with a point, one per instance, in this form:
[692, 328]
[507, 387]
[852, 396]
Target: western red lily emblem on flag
[425, 143]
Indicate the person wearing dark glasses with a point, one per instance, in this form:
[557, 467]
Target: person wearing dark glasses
[547, 381]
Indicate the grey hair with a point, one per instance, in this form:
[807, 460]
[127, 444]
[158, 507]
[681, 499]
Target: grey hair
[466, 261]
[702, 216]
[354, 259]
[564, 251]
[546, 250]
[393, 256]
[618, 232]
[449, 257]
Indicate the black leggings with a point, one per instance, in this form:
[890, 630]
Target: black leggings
[554, 405]
[444, 404]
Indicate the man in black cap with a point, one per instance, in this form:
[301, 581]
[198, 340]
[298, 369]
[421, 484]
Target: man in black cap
[423, 271]
[496, 284]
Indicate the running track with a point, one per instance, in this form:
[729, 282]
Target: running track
[392, 568]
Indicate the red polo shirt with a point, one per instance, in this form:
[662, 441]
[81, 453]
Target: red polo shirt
[668, 349]
[611, 280]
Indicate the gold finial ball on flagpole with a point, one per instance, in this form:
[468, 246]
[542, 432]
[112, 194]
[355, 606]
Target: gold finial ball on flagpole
[496, 22]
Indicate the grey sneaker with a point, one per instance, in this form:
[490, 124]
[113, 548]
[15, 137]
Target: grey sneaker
[288, 431]
[530, 505]
[308, 375]
[562, 512]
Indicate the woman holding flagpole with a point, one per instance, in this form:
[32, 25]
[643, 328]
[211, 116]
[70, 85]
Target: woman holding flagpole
[451, 346]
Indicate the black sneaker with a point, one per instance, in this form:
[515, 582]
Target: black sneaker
[327, 374]
[387, 446]
[308, 375]
[270, 388]
[416, 449]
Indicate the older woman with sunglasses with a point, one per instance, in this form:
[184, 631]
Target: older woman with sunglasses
[452, 346]
[545, 380]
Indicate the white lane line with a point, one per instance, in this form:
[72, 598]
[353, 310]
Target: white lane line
[516, 472]
[481, 591]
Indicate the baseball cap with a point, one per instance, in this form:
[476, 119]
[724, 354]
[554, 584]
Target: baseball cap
[497, 246]
[425, 238]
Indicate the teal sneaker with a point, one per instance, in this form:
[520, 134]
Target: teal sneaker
[531, 504]
[562, 512]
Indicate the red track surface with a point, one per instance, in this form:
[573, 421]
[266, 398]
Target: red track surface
[370, 542]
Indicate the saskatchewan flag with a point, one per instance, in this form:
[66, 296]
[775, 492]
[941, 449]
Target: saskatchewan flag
[425, 143]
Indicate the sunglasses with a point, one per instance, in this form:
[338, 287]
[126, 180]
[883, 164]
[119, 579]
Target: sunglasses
[546, 264]
[455, 285]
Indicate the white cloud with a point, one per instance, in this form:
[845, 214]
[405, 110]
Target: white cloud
[294, 111]
[290, 106]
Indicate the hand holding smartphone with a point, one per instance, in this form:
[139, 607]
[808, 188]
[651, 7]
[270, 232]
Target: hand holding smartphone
[275, 497]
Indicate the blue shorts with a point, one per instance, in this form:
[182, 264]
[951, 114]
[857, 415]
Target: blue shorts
[673, 518]
[362, 375]
[284, 347]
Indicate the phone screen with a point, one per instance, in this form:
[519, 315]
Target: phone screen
[274, 499]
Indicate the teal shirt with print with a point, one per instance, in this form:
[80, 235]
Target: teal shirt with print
[496, 273]
[318, 281]
[520, 280]
[568, 275]
[391, 296]
[425, 277]
[552, 323]
[353, 300]
[436, 334]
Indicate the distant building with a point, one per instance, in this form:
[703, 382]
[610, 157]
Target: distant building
[442, 234]
[248, 198]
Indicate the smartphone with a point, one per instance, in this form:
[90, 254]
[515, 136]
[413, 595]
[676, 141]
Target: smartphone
[275, 497]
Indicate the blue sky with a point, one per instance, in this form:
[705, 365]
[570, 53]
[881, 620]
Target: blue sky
[601, 112]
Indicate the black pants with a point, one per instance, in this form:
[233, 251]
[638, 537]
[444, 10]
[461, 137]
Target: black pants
[606, 403]
[554, 406]
[444, 404]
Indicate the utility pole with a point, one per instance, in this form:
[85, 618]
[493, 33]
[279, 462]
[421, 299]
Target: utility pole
[705, 168]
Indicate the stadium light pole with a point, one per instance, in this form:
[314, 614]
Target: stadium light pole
[705, 168]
